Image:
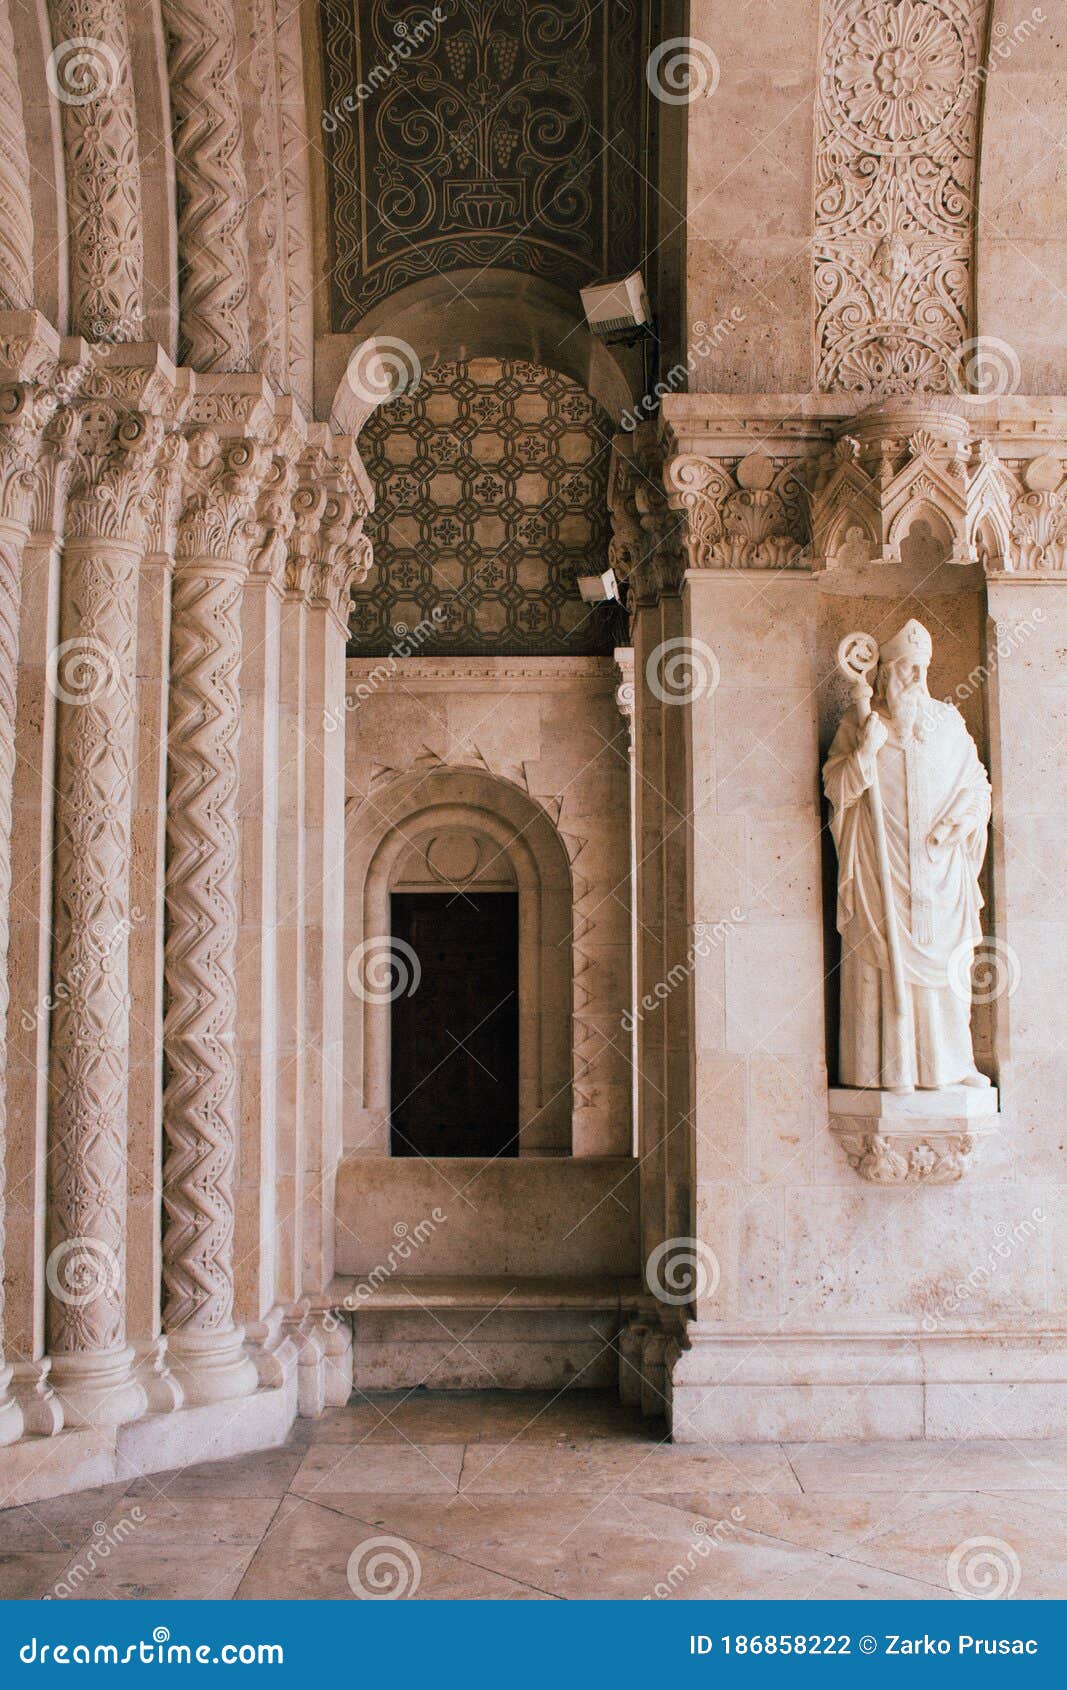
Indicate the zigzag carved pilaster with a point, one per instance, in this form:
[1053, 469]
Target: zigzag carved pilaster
[200, 1027]
[212, 191]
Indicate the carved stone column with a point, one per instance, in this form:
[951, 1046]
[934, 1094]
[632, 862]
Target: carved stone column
[200, 1029]
[93, 673]
[16, 217]
[22, 413]
[90, 74]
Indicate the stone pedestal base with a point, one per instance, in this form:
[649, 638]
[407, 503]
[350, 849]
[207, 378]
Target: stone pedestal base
[912, 1138]
[826, 1386]
[211, 1366]
[98, 1390]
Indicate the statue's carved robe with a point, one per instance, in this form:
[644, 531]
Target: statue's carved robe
[931, 778]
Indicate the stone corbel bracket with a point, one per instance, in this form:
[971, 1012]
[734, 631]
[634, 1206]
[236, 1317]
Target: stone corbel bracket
[904, 463]
[916, 1138]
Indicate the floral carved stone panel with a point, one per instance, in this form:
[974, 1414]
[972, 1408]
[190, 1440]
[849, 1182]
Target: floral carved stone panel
[506, 133]
[491, 495]
[896, 140]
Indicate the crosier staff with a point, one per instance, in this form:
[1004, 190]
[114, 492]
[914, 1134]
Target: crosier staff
[857, 659]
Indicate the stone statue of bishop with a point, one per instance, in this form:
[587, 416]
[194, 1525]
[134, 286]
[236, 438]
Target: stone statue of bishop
[910, 813]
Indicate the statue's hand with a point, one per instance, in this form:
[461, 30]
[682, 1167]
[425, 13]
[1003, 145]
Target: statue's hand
[950, 832]
[875, 734]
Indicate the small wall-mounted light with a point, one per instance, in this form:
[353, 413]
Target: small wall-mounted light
[618, 309]
[598, 589]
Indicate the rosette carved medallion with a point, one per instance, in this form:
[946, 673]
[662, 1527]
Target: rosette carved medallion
[896, 143]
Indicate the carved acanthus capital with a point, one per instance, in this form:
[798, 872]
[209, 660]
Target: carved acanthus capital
[1039, 518]
[222, 483]
[748, 513]
[24, 413]
[111, 481]
[343, 554]
[275, 517]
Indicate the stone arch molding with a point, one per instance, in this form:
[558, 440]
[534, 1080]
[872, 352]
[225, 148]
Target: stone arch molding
[470, 314]
[389, 846]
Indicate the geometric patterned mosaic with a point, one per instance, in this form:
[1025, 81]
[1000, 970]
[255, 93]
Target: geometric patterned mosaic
[491, 494]
[510, 135]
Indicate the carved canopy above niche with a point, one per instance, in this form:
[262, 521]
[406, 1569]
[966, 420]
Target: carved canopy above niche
[896, 142]
[511, 135]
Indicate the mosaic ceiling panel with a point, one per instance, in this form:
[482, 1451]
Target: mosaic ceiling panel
[507, 135]
[491, 487]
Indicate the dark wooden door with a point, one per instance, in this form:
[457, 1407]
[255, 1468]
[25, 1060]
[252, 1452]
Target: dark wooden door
[455, 1058]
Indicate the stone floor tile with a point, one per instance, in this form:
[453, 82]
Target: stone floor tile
[310, 1554]
[384, 1466]
[630, 1466]
[206, 1574]
[59, 1522]
[264, 1475]
[975, 1546]
[25, 1575]
[172, 1522]
[994, 1464]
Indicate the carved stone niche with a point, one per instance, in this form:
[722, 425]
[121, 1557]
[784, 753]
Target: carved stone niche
[918, 1138]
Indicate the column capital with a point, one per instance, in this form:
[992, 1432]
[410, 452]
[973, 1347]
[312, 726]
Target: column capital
[221, 484]
[330, 553]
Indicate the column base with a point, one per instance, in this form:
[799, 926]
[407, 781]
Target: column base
[211, 1366]
[10, 1412]
[98, 1389]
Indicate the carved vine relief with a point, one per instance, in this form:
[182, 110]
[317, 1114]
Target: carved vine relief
[896, 139]
[508, 134]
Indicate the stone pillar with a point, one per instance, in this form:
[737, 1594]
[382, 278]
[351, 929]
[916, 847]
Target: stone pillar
[93, 673]
[256, 1232]
[21, 421]
[341, 558]
[200, 1031]
[144, 1243]
[30, 972]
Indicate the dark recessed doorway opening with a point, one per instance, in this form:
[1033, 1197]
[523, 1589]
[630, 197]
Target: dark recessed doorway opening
[455, 1039]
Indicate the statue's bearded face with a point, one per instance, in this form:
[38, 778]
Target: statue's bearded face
[904, 690]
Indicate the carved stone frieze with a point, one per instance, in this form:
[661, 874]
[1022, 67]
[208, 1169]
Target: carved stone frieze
[896, 143]
[894, 1159]
[91, 72]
